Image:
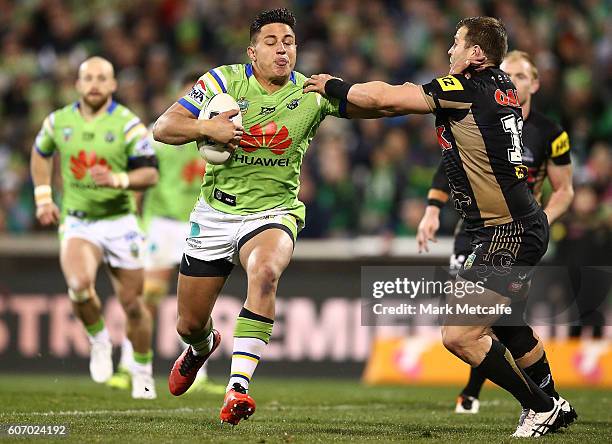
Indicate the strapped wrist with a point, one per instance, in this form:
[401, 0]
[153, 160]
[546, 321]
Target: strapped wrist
[120, 180]
[337, 89]
[43, 195]
[435, 203]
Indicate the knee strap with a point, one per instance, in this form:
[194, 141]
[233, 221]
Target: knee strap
[519, 339]
[79, 296]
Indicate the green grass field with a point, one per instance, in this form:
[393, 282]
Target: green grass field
[288, 411]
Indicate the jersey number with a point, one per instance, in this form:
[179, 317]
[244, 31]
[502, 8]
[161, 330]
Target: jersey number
[514, 126]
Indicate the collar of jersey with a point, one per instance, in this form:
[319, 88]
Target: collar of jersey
[109, 110]
[251, 77]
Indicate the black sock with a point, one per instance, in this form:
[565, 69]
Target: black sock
[499, 366]
[540, 374]
[474, 384]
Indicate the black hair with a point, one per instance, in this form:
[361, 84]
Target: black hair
[279, 15]
[489, 33]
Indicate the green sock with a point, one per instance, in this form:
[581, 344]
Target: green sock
[143, 358]
[200, 342]
[96, 328]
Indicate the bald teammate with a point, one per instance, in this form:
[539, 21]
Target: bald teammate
[104, 154]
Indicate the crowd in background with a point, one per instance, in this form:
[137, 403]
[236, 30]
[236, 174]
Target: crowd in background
[359, 177]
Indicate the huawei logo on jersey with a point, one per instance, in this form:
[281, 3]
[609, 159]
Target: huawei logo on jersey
[269, 137]
[194, 170]
[84, 161]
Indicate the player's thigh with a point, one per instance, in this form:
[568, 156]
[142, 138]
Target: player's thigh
[196, 297]
[159, 275]
[79, 259]
[128, 284]
[267, 254]
[473, 307]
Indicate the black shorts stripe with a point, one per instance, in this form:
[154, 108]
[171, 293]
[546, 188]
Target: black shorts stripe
[191, 266]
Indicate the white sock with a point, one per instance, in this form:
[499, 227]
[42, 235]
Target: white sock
[127, 354]
[101, 336]
[246, 355]
[142, 368]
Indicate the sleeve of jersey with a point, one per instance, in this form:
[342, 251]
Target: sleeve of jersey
[210, 84]
[332, 107]
[560, 148]
[140, 151]
[448, 92]
[440, 181]
[44, 143]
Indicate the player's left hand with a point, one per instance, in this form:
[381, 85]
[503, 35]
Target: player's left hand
[316, 83]
[475, 61]
[101, 176]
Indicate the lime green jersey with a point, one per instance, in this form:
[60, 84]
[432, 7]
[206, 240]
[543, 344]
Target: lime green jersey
[180, 175]
[114, 138]
[264, 171]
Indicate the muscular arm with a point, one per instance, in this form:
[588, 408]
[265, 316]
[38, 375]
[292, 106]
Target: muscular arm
[142, 178]
[41, 168]
[355, 112]
[178, 126]
[396, 99]
[560, 177]
[375, 99]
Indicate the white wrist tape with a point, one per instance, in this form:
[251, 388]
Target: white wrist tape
[120, 180]
[42, 195]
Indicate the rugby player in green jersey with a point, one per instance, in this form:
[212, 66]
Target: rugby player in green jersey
[248, 210]
[104, 153]
[165, 218]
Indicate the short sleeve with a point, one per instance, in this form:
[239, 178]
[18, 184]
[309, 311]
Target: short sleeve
[44, 143]
[137, 142]
[210, 84]
[440, 180]
[333, 107]
[560, 148]
[448, 92]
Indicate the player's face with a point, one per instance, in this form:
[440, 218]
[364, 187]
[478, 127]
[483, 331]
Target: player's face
[459, 52]
[96, 83]
[274, 51]
[521, 75]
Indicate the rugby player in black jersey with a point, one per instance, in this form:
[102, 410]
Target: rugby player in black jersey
[546, 154]
[478, 123]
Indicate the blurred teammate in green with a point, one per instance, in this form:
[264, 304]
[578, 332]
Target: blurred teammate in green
[165, 218]
[104, 154]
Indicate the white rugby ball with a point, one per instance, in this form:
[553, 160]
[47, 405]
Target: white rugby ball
[213, 152]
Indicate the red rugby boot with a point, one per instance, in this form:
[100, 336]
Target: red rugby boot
[237, 405]
[185, 368]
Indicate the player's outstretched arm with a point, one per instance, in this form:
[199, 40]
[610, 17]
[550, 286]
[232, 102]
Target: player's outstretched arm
[379, 96]
[178, 126]
[41, 168]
